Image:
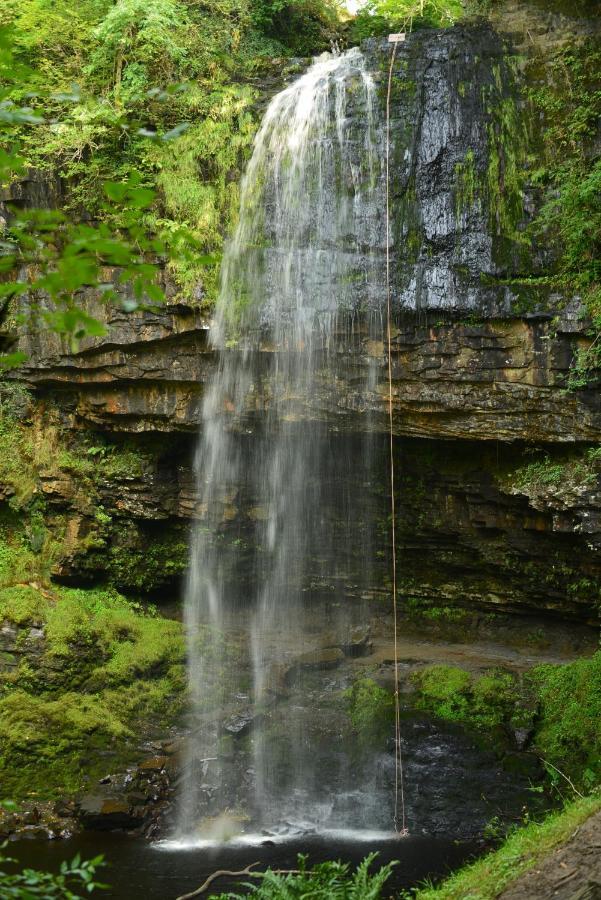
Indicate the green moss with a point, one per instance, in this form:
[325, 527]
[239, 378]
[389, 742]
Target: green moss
[484, 702]
[21, 604]
[371, 710]
[567, 699]
[506, 174]
[127, 664]
[466, 184]
[444, 690]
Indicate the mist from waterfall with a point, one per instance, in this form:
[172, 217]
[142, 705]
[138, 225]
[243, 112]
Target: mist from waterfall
[280, 558]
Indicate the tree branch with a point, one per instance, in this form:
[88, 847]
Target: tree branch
[219, 874]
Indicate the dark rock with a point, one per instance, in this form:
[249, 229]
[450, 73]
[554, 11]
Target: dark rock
[99, 813]
[64, 808]
[358, 643]
[522, 737]
[241, 723]
[525, 765]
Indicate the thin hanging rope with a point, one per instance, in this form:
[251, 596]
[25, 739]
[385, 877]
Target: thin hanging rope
[399, 781]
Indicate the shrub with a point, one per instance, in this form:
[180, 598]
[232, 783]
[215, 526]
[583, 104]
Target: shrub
[567, 732]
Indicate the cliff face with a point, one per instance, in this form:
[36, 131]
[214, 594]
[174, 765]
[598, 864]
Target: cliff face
[484, 338]
[483, 345]
[499, 379]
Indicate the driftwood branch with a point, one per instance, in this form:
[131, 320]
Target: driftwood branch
[219, 874]
[222, 872]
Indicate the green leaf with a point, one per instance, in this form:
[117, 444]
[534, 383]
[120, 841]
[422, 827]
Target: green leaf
[12, 360]
[175, 132]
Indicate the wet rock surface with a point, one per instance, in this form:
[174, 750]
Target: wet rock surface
[469, 531]
[490, 380]
[456, 782]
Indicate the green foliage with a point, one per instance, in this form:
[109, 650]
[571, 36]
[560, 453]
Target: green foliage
[326, 881]
[17, 466]
[199, 179]
[378, 17]
[575, 216]
[562, 472]
[52, 260]
[568, 733]
[420, 608]
[138, 43]
[303, 26]
[141, 569]
[47, 259]
[110, 84]
[31, 883]
[569, 102]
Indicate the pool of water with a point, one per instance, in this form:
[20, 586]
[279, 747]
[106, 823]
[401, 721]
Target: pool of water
[138, 869]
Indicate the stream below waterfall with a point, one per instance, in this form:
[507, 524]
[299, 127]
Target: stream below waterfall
[140, 869]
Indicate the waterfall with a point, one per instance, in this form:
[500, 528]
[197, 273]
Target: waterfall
[280, 558]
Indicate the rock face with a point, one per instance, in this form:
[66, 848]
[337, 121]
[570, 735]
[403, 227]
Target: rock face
[492, 380]
[482, 347]
[477, 526]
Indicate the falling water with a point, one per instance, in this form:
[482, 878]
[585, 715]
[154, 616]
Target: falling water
[280, 557]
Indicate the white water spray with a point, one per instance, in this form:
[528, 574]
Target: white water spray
[279, 553]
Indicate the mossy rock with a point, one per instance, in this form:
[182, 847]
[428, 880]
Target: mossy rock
[103, 672]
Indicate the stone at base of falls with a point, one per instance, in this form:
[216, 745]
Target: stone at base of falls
[132, 800]
[99, 813]
[359, 643]
[241, 723]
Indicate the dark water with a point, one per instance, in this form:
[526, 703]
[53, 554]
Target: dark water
[142, 870]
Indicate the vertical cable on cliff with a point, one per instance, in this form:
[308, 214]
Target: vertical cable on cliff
[399, 786]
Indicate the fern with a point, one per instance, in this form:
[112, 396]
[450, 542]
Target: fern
[325, 881]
